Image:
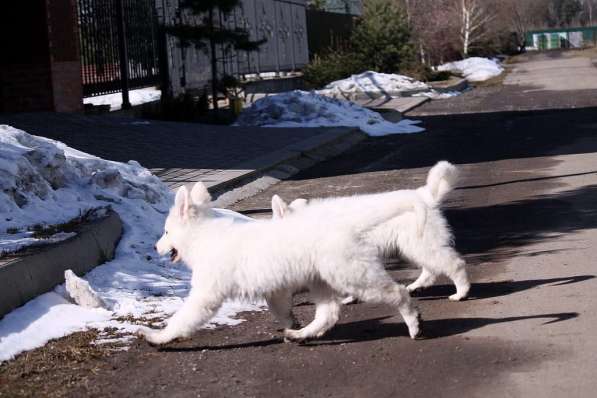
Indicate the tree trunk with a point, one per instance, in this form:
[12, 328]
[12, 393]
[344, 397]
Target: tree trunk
[214, 63]
[465, 29]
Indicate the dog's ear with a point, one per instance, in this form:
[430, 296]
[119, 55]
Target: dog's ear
[298, 203]
[199, 194]
[279, 207]
[182, 202]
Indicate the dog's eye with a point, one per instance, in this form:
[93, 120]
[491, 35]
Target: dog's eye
[165, 232]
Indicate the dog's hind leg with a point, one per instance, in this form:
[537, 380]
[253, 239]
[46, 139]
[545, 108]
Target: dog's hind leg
[437, 258]
[426, 279]
[456, 271]
[396, 295]
[327, 312]
[280, 304]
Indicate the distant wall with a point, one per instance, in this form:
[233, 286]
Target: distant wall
[328, 30]
[549, 39]
[281, 22]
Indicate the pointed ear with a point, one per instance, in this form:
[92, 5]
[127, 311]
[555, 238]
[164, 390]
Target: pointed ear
[298, 203]
[182, 202]
[279, 207]
[199, 194]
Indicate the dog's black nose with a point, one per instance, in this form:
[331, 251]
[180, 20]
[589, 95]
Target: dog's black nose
[155, 248]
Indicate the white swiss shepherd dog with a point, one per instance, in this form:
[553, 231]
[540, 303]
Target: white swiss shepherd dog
[430, 247]
[327, 254]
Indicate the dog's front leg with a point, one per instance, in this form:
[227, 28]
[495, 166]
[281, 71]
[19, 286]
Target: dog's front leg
[197, 309]
[280, 304]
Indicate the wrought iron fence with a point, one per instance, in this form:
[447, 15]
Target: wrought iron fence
[119, 45]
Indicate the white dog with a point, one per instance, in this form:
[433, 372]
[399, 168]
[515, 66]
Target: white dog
[272, 259]
[431, 250]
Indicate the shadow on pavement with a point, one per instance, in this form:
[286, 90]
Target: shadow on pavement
[484, 290]
[498, 232]
[469, 138]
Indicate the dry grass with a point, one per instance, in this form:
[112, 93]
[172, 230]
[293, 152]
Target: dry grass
[52, 370]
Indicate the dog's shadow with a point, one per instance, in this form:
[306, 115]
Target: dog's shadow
[377, 329]
[485, 290]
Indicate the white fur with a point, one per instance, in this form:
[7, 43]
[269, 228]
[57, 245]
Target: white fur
[274, 258]
[429, 246]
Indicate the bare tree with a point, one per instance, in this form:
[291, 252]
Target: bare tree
[523, 15]
[433, 29]
[588, 11]
[475, 18]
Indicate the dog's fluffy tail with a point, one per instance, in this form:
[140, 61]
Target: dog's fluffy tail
[409, 203]
[441, 180]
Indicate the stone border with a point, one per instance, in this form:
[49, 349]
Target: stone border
[300, 155]
[449, 85]
[26, 276]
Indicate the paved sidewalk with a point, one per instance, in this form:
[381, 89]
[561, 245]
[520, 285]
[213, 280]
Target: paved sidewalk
[178, 153]
[534, 81]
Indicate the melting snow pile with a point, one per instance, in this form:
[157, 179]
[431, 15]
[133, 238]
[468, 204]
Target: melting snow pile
[373, 85]
[474, 69]
[136, 97]
[45, 182]
[308, 109]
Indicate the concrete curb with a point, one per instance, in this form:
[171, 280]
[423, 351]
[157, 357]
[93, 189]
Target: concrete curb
[291, 159]
[26, 276]
[450, 85]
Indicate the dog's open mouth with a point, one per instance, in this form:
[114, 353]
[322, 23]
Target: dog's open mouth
[174, 257]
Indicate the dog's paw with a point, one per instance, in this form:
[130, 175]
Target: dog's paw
[457, 297]
[412, 288]
[293, 336]
[350, 300]
[152, 336]
[415, 330]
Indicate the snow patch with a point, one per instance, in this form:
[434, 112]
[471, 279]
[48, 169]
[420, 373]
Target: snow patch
[310, 109]
[136, 97]
[474, 69]
[434, 94]
[80, 291]
[43, 181]
[374, 85]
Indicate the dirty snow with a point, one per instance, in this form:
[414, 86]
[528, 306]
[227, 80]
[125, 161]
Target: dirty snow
[374, 85]
[474, 69]
[309, 109]
[136, 97]
[45, 181]
[434, 94]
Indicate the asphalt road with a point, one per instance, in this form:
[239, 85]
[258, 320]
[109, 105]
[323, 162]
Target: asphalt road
[525, 217]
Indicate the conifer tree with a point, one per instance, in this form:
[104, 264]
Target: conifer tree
[209, 34]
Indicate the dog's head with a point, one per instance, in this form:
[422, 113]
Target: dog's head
[187, 210]
[280, 208]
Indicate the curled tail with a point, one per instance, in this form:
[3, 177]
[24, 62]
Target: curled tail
[441, 180]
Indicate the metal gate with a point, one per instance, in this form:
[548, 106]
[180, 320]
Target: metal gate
[119, 45]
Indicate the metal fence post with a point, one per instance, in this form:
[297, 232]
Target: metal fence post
[123, 54]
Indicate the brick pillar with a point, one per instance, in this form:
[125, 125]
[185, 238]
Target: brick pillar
[64, 55]
[39, 64]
